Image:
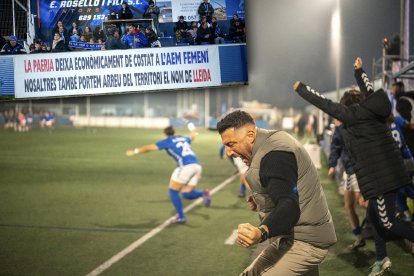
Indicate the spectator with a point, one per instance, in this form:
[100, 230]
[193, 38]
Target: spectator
[112, 16]
[140, 39]
[206, 9]
[152, 38]
[193, 24]
[113, 41]
[64, 35]
[98, 33]
[74, 28]
[124, 13]
[75, 37]
[234, 19]
[46, 48]
[87, 34]
[204, 34]
[404, 106]
[153, 12]
[128, 38]
[12, 47]
[57, 44]
[181, 30]
[37, 47]
[216, 31]
[237, 32]
[192, 37]
[202, 20]
[31, 48]
[58, 26]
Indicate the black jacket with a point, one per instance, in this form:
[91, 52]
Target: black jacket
[376, 159]
[207, 10]
[125, 13]
[112, 43]
[180, 26]
[60, 47]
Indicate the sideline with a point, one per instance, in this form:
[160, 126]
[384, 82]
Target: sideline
[153, 232]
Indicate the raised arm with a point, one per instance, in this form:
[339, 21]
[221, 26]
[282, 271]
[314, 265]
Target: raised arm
[362, 78]
[336, 110]
[143, 149]
[193, 133]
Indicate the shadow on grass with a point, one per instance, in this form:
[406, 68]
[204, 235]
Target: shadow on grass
[360, 259]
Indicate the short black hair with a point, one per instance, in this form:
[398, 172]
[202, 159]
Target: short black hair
[351, 97]
[399, 85]
[169, 131]
[236, 119]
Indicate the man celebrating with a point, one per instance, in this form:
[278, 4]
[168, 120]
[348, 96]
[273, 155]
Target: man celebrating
[286, 193]
[187, 173]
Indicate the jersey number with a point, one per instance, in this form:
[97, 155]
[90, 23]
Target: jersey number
[186, 148]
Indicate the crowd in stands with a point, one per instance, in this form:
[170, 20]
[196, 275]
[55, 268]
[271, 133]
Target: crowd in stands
[209, 31]
[125, 35]
[22, 121]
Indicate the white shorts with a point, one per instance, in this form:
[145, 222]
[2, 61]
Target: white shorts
[241, 167]
[187, 175]
[351, 183]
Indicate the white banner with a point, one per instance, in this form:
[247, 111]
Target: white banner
[186, 8]
[100, 72]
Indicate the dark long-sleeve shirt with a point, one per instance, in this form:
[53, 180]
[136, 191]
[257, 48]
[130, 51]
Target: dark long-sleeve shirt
[279, 176]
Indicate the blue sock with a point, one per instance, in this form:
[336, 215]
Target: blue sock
[357, 231]
[242, 189]
[193, 194]
[176, 201]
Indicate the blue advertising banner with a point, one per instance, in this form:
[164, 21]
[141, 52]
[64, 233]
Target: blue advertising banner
[85, 12]
[235, 7]
[7, 76]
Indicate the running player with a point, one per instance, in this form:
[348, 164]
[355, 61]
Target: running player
[187, 173]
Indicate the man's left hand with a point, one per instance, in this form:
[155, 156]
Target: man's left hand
[247, 234]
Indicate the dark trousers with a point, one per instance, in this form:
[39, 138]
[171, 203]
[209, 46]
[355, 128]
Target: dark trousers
[381, 215]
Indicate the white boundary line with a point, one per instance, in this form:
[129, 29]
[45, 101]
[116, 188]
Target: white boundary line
[232, 238]
[153, 232]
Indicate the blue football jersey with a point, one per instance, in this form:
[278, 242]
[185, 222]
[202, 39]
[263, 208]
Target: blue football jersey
[397, 133]
[179, 148]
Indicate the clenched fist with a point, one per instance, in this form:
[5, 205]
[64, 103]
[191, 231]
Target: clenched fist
[247, 234]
